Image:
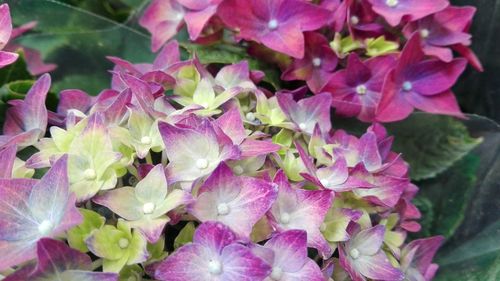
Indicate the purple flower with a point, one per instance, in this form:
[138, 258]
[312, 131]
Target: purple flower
[286, 252]
[237, 201]
[7, 158]
[395, 10]
[198, 13]
[363, 258]
[32, 210]
[6, 58]
[442, 31]
[356, 90]
[416, 258]
[278, 24]
[301, 209]
[26, 121]
[215, 254]
[362, 21]
[57, 261]
[308, 112]
[317, 65]
[419, 83]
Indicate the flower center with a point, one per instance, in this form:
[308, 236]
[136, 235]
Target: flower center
[354, 20]
[285, 218]
[302, 126]
[148, 208]
[123, 243]
[179, 16]
[316, 62]
[424, 33]
[407, 86]
[223, 209]
[354, 253]
[45, 227]
[361, 89]
[238, 170]
[90, 174]
[146, 140]
[272, 24]
[215, 267]
[392, 3]
[250, 116]
[202, 163]
[277, 273]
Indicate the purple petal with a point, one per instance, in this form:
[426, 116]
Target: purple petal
[7, 158]
[290, 250]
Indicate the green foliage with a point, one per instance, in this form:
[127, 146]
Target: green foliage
[431, 144]
[16, 71]
[185, 235]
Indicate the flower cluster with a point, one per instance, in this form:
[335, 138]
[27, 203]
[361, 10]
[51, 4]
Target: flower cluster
[347, 48]
[183, 171]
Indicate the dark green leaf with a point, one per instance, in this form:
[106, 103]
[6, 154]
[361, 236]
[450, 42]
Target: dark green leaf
[15, 71]
[431, 143]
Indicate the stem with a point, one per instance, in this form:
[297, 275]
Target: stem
[149, 160]
[133, 171]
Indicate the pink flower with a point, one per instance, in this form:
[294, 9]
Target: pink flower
[395, 10]
[278, 24]
[419, 83]
[33, 209]
[237, 201]
[416, 258]
[6, 58]
[215, 254]
[356, 90]
[286, 252]
[301, 209]
[363, 258]
[317, 65]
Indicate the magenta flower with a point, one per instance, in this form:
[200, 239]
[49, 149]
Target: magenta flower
[421, 84]
[362, 21]
[198, 13]
[7, 158]
[317, 65]
[32, 210]
[215, 254]
[278, 24]
[441, 31]
[162, 19]
[26, 121]
[356, 90]
[195, 150]
[362, 256]
[57, 261]
[286, 252]
[301, 209]
[6, 58]
[237, 201]
[395, 10]
[308, 112]
[416, 258]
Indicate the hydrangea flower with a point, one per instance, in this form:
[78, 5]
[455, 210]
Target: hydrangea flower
[278, 24]
[215, 254]
[362, 256]
[118, 246]
[421, 84]
[55, 260]
[395, 10]
[27, 119]
[357, 89]
[301, 209]
[6, 58]
[32, 210]
[416, 259]
[237, 201]
[308, 112]
[286, 252]
[146, 205]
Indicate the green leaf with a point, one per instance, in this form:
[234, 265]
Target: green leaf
[431, 143]
[185, 235]
[19, 89]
